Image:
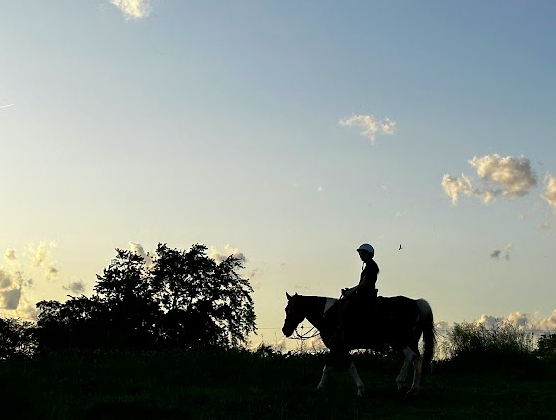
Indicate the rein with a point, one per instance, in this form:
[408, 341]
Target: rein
[306, 336]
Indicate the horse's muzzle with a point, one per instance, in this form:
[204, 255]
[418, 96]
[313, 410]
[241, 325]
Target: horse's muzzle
[286, 332]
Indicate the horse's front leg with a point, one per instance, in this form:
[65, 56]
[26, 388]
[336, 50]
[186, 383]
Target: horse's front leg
[325, 373]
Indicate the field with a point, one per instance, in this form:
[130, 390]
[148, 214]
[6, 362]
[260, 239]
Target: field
[238, 384]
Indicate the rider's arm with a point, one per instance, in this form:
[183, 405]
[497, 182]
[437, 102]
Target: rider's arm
[364, 281]
[350, 290]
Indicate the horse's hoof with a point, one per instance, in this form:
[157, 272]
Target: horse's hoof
[410, 394]
[403, 390]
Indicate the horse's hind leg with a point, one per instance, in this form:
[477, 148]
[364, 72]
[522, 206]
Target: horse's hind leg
[417, 362]
[410, 356]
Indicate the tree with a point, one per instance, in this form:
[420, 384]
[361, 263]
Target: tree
[184, 298]
[16, 338]
[80, 322]
[124, 290]
[204, 302]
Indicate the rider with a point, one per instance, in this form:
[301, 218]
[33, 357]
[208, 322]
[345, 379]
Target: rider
[364, 293]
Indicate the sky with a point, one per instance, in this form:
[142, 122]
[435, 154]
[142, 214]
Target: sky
[289, 132]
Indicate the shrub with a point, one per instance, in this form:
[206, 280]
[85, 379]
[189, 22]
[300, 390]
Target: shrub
[471, 340]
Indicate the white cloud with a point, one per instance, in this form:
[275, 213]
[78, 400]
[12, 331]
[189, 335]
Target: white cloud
[9, 255]
[489, 321]
[508, 176]
[371, 125]
[139, 250]
[228, 250]
[461, 185]
[442, 325]
[41, 258]
[550, 190]
[513, 176]
[133, 9]
[521, 321]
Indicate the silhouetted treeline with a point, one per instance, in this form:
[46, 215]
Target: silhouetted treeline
[179, 299]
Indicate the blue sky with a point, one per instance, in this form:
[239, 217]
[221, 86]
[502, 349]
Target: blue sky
[219, 123]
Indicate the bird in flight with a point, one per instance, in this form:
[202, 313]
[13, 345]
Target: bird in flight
[6, 106]
[400, 248]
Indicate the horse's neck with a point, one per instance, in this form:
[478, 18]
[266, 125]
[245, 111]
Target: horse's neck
[314, 309]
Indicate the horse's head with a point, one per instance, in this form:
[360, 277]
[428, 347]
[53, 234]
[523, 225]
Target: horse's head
[294, 314]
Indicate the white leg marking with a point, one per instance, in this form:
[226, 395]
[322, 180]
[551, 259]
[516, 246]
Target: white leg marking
[357, 379]
[409, 357]
[324, 377]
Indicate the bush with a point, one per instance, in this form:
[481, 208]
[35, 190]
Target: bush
[546, 347]
[474, 341]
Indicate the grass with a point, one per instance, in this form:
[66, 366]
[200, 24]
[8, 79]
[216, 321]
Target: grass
[242, 385]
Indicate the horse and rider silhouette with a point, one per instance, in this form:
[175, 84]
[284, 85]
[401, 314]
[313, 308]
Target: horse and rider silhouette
[363, 320]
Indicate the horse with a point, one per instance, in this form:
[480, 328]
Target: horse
[397, 322]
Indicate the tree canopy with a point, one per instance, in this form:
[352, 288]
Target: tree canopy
[176, 298]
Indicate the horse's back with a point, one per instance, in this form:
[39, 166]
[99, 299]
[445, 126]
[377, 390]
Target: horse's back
[397, 306]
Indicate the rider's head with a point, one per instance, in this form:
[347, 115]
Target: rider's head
[366, 252]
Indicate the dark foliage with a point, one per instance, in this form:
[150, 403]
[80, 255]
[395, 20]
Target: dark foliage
[546, 347]
[16, 338]
[183, 299]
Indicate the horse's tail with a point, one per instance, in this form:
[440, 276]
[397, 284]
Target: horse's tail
[429, 333]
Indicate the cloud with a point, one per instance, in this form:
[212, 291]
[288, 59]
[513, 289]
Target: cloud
[550, 190]
[522, 321]
[371, 126]
[77, 287]
[502, 253]
[9, 255]
[508, 176]
[228, 250]
[133, 9]
[12, 284]
[41, 258]
[489, 321]
[461, 185]
[495, 254]
[442, 325]
[6, 279]
[139, 250]
[512, 175]
[543, 324]
[10, 298]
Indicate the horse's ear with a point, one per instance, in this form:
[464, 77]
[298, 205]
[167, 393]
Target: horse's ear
[288, 296]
